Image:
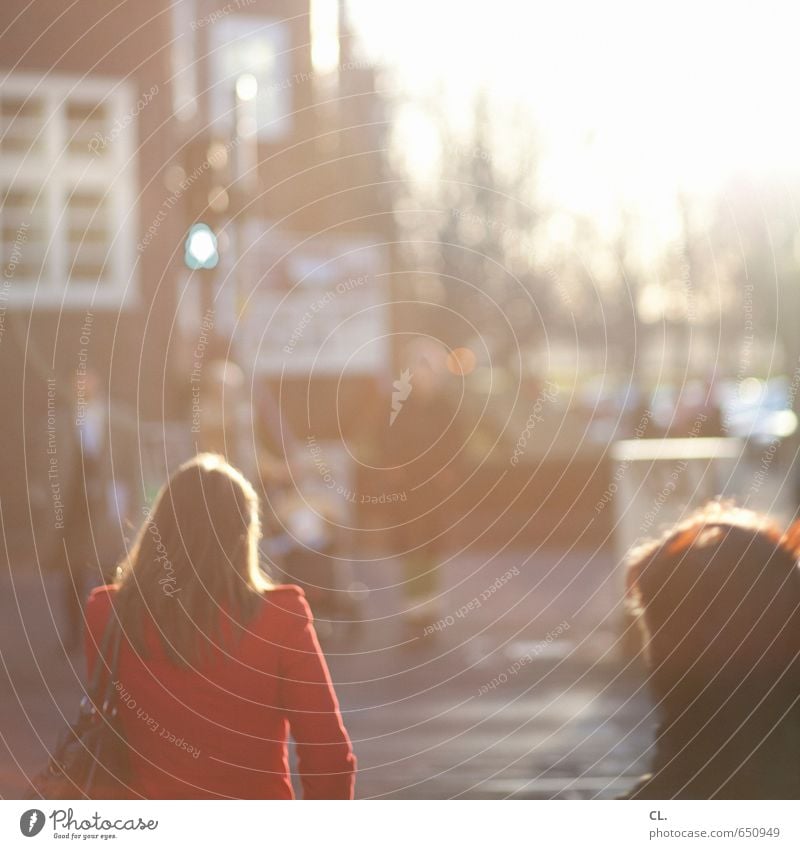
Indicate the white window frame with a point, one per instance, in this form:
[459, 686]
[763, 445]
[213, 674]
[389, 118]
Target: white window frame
[57, 171]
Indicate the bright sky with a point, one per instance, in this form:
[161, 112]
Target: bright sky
[633, 100]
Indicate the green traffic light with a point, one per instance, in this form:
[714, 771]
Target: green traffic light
[201, 247]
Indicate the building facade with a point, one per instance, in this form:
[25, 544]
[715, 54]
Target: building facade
[124, 127]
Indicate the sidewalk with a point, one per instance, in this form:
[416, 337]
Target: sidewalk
[487, 708]
[40, 683]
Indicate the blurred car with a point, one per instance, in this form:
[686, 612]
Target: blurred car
[758, 410]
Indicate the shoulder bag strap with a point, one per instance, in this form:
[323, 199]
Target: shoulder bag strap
[108, 659]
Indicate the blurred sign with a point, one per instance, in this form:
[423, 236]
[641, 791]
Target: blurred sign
[313, 306]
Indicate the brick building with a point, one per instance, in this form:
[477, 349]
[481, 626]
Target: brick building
[121, 128]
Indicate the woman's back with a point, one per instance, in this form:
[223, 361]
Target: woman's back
[218, 728]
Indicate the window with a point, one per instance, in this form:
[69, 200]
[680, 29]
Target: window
[183, 57]
[325, 35]
[258, 49]
[67, 218]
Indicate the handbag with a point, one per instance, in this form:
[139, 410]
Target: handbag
[91, 757]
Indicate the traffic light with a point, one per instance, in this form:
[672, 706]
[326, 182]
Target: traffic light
[207, 174]
[200, 249]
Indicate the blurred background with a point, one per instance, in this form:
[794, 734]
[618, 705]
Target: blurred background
[478, 295]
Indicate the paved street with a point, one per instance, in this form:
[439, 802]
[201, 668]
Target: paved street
[424, 722]
[519, 696]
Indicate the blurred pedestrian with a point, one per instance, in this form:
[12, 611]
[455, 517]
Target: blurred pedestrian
[87, 511]
[217, 665]
[422, 439]
[719, 601]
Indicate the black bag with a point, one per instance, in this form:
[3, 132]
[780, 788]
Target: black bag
[91, 758]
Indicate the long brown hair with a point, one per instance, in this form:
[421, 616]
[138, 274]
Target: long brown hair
[193, 569]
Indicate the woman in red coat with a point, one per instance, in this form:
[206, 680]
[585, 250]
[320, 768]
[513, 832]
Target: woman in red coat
[216, 665]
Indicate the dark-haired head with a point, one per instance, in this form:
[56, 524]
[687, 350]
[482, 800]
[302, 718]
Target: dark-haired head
[718, 595]
[718, 598]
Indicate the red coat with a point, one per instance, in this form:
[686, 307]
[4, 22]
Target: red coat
[220, 730]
